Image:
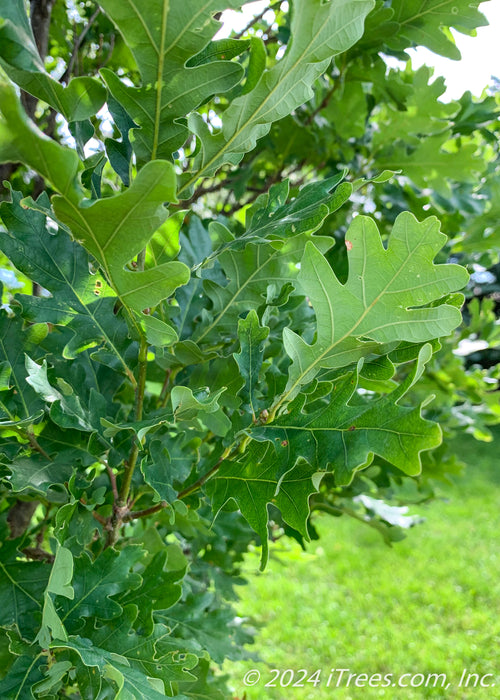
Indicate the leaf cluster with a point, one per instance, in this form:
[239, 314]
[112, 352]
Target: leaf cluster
[225, 319]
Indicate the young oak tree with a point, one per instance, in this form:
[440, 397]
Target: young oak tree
[228, 306]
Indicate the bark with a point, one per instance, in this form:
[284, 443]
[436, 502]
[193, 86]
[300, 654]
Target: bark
[40, 12]
[19, 517]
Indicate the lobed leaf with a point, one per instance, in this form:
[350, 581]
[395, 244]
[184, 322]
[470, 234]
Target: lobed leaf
[22, 585]
[130, 682]
[253, 482]
[116, 229]
[346, 433]
[389, 297]
[251, 336]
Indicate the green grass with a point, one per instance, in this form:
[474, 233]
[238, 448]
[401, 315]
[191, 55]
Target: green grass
[430, 604]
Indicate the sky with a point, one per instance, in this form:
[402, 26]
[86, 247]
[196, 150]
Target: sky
[480, 54]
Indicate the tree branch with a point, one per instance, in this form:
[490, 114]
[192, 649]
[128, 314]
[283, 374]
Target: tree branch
[328, 96]
[38, 554]
[78, 43]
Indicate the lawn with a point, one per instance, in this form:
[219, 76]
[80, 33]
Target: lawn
[430, 604]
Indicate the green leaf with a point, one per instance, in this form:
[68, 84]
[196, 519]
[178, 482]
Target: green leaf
[40, 475]
[66, 409]
[22, 586]
[216, 633]
[253, 482]
[320, 31]
[20, 140]
[387, 298]
[21, 402]
[75, 526]
[82, 98]
[344, 434]
[218, 373]
[161, 588]
[272, 218]
[120, 152]
[59, 584]
[170, 460]
[95, 583]
[116, 229]
[158, 333]
[424, 113]
[61, 574]
[5, 370]
[53, 679]
[199, 411]
[252, 336]
[256, 63]
[162, 36]
[436, 160]
[156, 654]
[347, 111]
[219, 50]
[22, 675]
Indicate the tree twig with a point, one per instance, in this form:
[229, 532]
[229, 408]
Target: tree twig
[147, 511]
[121, 508]
[201, 191]
[112, 479]
[256, 19]
[77, 45]
[205, 477]
[99, 518]
[328, 96]
[139, 402]
[38, 554]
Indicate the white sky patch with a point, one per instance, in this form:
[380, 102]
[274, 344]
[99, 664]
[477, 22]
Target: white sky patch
[467, 347]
